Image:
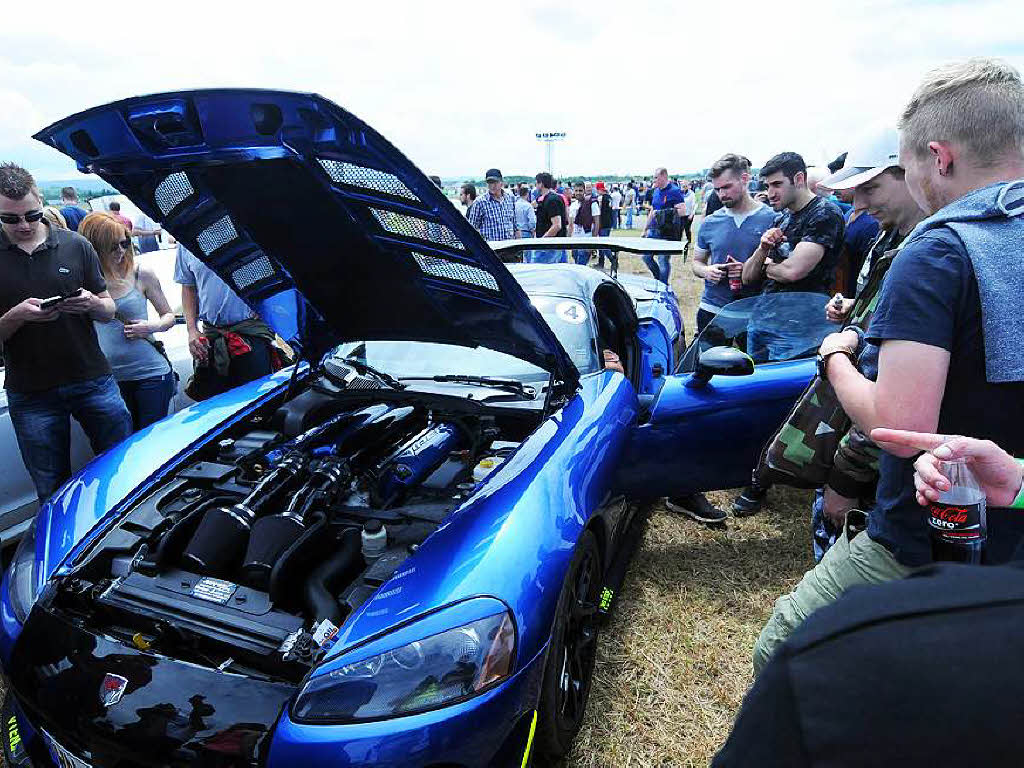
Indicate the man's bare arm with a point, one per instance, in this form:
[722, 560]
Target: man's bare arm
[753, 267]
[907, 395]
[798, 265]
[700, 262]
[555, 228]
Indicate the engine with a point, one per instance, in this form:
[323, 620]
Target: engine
[252, 556]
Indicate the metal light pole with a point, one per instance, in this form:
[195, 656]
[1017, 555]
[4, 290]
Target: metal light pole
[549, 139]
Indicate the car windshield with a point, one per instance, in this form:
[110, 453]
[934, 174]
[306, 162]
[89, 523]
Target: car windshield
[568, 318]
[771, 328]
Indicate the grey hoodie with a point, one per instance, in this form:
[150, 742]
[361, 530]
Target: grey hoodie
[988, 222]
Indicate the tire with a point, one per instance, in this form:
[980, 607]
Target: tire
[569, 667]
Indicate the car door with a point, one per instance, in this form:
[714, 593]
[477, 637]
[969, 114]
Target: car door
[708, 435]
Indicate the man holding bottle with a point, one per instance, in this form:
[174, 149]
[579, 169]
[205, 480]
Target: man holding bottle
[947, 325]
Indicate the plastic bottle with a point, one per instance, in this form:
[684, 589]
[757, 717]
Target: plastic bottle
[958, 520]
[375, 539]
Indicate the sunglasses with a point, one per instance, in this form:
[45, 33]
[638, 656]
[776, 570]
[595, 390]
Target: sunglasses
[123, 245]
[30, 218]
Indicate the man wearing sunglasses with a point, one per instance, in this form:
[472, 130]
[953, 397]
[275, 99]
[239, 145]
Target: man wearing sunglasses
[51, 289]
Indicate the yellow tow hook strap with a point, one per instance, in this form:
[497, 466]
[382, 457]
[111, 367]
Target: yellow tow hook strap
[529, 740]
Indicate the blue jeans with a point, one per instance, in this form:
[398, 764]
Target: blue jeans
[549, 256]
[629, 217]
[42, 425]
[662, 270]
[148, 399]
[615, 218]
[581, 257]
[527, 255]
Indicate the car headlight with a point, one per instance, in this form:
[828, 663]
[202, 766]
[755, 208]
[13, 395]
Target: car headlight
[438, 670]
[24, 582]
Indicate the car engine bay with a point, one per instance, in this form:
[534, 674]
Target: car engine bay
[252, 554]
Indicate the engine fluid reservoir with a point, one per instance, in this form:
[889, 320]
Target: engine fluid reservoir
[375, 540]
[486, 466]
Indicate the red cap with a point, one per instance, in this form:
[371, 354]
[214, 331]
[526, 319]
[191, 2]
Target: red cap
[599, 186]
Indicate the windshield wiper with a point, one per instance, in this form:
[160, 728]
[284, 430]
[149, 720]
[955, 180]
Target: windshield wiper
[365, 368]
[510, 385]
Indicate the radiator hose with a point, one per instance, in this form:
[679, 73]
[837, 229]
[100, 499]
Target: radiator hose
[324, 582]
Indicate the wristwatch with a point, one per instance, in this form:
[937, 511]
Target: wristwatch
[822, 360]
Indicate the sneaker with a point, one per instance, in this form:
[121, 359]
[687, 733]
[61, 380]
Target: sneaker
[698, 507]
[749, 502]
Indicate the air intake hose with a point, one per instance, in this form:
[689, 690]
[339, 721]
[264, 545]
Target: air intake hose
[326, 579]
[273, 534]
[219, 541]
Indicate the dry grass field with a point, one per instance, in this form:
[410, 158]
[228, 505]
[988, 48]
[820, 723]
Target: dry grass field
[674, 661]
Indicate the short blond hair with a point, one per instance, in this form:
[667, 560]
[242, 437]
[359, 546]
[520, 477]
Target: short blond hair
[977, 103]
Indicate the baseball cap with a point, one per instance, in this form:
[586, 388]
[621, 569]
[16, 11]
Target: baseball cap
[493, 174]
[873, 155]
[599, 186]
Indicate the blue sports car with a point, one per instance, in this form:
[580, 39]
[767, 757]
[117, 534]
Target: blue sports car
[397, 553]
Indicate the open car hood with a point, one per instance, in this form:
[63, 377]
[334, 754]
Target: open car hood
[312, 217]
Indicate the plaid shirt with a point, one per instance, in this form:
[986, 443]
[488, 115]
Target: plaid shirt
[494, 219]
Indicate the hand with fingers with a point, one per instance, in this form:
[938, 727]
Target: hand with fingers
[999, 474]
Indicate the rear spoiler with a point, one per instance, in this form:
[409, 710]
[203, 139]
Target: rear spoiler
[630, 244]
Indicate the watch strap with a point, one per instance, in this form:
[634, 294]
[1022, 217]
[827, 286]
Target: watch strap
[860, 337]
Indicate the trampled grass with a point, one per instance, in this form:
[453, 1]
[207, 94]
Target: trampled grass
[674, 661]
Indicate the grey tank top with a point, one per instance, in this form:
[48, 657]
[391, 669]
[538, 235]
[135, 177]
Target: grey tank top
[130, 359]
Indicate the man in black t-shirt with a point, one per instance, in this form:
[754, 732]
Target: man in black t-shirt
[54, 368]
[800, 252]
[943, 364]
[551, 218]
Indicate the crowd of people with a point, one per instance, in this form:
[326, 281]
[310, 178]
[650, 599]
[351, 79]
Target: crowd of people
[662, 208]
[928, 352]
[913, 240]
[76, 331]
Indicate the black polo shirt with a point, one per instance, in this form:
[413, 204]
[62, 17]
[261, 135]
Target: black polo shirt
[41, 356]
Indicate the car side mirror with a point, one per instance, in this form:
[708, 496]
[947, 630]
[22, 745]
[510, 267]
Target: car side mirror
[721, 361]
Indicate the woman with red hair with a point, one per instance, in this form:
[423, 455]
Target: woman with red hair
[139, 362]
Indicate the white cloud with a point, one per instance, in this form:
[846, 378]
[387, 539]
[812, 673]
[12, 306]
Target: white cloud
[460, 87]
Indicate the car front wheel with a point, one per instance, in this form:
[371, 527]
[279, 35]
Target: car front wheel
[569, 666]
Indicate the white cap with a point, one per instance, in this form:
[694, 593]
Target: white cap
[878, 152]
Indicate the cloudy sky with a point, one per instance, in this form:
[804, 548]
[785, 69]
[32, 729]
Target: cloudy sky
[463, 86]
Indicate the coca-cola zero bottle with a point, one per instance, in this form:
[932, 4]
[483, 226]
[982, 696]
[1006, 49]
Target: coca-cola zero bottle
[957, 520]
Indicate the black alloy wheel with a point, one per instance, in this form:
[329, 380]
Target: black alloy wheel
[569, 668]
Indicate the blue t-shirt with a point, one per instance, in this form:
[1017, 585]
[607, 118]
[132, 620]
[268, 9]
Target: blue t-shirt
[858, 238]
[218, 304]
[930, 296]
[844, 208]
[724, 234]
[666, 198]
[73, 215]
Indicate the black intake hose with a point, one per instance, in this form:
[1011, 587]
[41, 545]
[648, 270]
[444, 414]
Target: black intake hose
[273, 534]
[326, 579]
[219, 542]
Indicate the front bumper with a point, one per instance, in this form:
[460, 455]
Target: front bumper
[173, 713]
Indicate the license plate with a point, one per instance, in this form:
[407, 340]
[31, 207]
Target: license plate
[61, 756]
